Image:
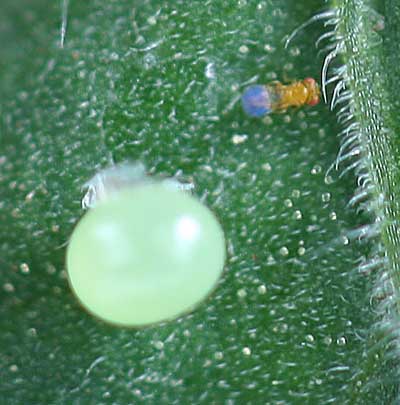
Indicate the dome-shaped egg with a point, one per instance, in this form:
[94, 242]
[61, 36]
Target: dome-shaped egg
[146, 254]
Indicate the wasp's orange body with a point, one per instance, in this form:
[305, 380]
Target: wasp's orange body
[259, 100]
[297, 94]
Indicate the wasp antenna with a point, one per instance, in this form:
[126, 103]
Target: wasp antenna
[64, 20]
[317, 17]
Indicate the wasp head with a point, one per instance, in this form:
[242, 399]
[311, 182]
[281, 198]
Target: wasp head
[313, 91]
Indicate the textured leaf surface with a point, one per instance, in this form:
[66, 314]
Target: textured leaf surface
[157, 83]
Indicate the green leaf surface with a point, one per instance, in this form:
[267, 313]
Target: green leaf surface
[159, 83]
[368, 43]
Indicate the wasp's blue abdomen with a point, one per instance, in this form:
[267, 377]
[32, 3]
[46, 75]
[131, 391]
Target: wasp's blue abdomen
[256, 101]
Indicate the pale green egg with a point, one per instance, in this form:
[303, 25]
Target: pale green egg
[146, 254]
